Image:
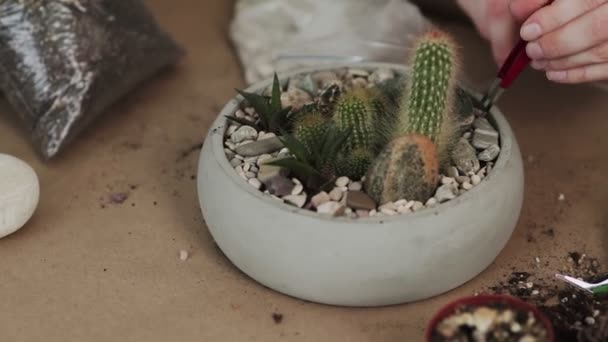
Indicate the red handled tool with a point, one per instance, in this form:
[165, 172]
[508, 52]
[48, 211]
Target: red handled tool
[511, 68]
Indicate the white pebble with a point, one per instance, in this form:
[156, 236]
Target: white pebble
[373, 212]
[244, 133]
[183, 255]
[239, 114]
[537, 259]
[535, 293]
[342, 181]
[333, 208]
[388, 211]
[355, 186]
[230, 145]
[296, 181]
[431, 202]
[403, 210]
[467, 186]
[246, 167]
[561, 197]
[410, 204]
[417, 206]
[19, 194]
[475, 179]
[255, 183]
[336, 194]
[320, 198]
[401, 203]
[590, 320]
[297, 189]
[263, 157]
[297, 200]
[242, 174]
[231, 129]
[251, 160]
[250, 110]
[447, 180]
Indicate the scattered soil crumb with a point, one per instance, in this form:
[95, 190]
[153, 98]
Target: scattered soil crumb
[185, 153]
[183, 255]
[549, 232]
[118, 197]
[277, 317]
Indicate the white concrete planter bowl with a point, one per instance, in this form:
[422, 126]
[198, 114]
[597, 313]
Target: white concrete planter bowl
[372, 261]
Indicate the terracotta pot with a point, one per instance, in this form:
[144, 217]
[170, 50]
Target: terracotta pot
[366, 261]
[482, 300]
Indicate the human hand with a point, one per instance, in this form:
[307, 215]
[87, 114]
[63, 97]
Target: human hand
[567, 39]
[495, 22]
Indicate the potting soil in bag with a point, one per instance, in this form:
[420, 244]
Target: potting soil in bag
[64, 62]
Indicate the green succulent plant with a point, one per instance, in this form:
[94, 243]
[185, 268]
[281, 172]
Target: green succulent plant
[314, 164]
[272, 116]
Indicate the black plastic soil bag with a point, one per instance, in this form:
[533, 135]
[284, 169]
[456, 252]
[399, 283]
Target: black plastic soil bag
[64, 62]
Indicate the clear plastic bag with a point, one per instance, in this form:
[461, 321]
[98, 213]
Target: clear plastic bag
[278, 35]
[63, 62]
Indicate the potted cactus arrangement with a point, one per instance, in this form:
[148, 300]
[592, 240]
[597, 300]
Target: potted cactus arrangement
[325, 178]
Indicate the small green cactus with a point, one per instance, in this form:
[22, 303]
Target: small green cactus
[355, 112]
[310, 128]
[354, 164]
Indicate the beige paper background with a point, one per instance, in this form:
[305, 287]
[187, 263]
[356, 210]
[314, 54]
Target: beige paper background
[78, 272]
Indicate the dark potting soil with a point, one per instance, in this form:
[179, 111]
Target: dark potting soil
[495, 322]
[576, 316]
[64, 62]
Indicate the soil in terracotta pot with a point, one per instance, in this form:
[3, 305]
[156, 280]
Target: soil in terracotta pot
[576, 316]
[493, 322]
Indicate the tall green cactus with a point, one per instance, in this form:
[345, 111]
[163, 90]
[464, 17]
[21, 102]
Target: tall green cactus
[408, 167]
[429, 101]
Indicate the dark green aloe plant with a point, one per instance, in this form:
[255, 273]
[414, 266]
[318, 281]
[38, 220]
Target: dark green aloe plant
[314, 162]
[272, 116]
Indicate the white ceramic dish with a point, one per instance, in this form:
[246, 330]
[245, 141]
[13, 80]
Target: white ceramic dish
[359, 262]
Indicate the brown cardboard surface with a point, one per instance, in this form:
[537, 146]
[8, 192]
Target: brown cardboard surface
[80, 272]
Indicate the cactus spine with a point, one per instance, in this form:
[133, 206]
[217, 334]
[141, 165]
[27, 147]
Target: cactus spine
[408, 167]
